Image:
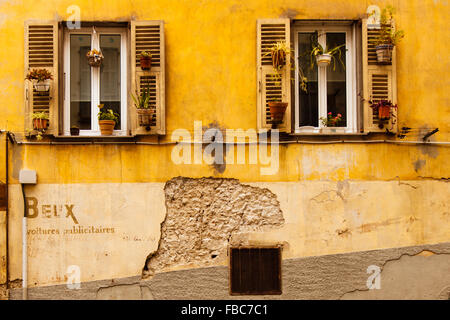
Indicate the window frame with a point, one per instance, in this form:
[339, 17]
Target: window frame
[351, 77]
[95, 80]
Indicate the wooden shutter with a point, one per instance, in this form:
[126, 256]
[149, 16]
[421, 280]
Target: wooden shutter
[255, 271]
[379, 81]
[148, 36]
[269, 32]
[41, 52]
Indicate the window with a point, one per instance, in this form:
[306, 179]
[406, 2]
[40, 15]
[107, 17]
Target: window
[86, 87]
[331, 89]
[255, 271]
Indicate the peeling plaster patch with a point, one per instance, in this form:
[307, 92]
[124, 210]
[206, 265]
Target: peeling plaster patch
[203, 214]
[419, 164]
[289, 13]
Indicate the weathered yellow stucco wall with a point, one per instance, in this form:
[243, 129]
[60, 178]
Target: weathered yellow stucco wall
[211, 77]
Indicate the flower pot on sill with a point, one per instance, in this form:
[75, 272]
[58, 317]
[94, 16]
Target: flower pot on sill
[328, 130]
[106, 127]
[323, 60]
[384, 53]
[145, 117]
[384, 112]
[40, 124]
[41, 86]
[74, 131]
[146, 62]
[277, 110]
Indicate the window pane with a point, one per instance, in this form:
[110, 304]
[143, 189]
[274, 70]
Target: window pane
[80, 81]
[309, 105]
[336, 79]
[110, 73]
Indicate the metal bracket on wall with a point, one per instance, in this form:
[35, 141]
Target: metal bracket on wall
[429, 134]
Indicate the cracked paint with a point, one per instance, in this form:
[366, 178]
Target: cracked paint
[202, 216]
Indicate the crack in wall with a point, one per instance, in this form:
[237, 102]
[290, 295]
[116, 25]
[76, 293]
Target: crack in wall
[203, 214]
[423, 253]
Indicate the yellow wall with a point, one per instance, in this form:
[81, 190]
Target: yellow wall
[211, 77]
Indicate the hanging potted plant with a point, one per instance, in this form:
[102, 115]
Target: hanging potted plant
[40, 79]
[331, 122]
[323, 57]
[40, 120]
[142, 104]
[95, 58]
[145, 59]
[388, 38]
[279, 53]
[107, 120]
[383, 109]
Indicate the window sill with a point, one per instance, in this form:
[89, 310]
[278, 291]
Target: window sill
[321, 134]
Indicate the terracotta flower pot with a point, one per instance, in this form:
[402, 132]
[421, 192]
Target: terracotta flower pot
[146, 62]
[384, 53]
[145, 117]
[40, 124]
[106, 127]
[384, 112]
[277, 110]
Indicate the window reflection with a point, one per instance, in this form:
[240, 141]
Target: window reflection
[110, 73]
[309, 104]
[336, 79]
[80, 82]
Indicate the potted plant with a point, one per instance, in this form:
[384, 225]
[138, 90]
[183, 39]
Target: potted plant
[145, 58]
[323, 57]
[40, 79]
[107, 120]
[142, 104]
[388, 37]
[40, 120]
[331, 122]
[280, 52]
[95, 58]
[74, 131]
[277, 111]
[383, 109]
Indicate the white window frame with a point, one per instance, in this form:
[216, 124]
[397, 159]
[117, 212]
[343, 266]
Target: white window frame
[95, 80]
[351, 105]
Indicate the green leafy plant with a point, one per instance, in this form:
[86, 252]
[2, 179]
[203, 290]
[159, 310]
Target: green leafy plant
[280, 52]
[317, 50]
[387, 33]
[39, 74]
[146, 54]
[40, 115]
[332, 121]
[142, 100]
[107, 114]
